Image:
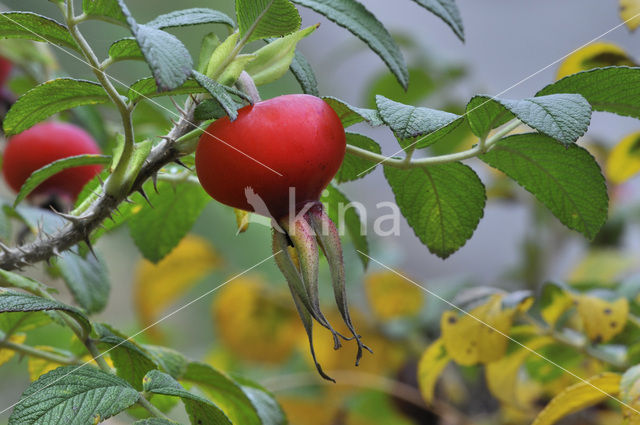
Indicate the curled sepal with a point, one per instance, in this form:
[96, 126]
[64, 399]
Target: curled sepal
[329, 240]
[304, 241]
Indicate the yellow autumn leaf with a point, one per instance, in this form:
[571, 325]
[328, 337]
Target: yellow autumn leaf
[629, 13]
[309, 411]
[7, 354]
[624, 159]
[594, 55]
[478, 337]
[38, 367]
[579, 396]
[502, 376]
[255, 323]
[391, 296]
[602, 320]
[600, 266]
[157, 286]
[434, 360]
[554, 302]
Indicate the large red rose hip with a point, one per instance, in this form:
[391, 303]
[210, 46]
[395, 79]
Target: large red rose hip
[292, 141]
[43, 144]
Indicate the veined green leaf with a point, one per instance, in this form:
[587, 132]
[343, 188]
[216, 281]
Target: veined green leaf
[35, 27]
[147, 88]
[266, 18]
[87, 280]
[353, 167]
[304, 74]
[220, 93]
[447, 11]
[107, 10]
[567, 180]
[125, 49]
[50, 98]
[350, 115]
[194, 16]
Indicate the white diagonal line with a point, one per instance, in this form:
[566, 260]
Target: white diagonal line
[532, 351]
[501, 93]
[147, 328]
[141, 95]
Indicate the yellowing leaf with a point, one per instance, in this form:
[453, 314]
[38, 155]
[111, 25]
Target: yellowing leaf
[478, 337]
[38, 367]
[630, 395]
[601, 266]
[624, 160]
[602, 319]
[7, 354]
[391, 296]
[255, 323]
[554, 302]
[502, 376]
[242, 219]
[157, 286]
[432, 363]
[594, 55]
[630, 11]
[579, 396]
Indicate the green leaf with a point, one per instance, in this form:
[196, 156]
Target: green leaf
[228, 395]
[87, 280]
[154, 421]
[73, 395]
[443, 203]
[564, 117]
[195, 16]
[200, 410]
[219, 92]
[447, 11]
[350, 115]
[408, 122]
[336, 203]
[304, 74]
[156, 231]
[170, 361]
[35, 27]
[266, 18]
[356, 18]
[42, 174]
[131, 361]
[353, 167]
[265, 403]
[613, 89]
[107, 10]
[209, 109]
[125, 49]
[273, 60]
[48, 99]
[11, 300]
[567, 180]
[147, 89]
[14, 280]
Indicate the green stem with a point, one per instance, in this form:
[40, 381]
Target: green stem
[404, 163]
[34, 352]
[98, 357]
[142, 401]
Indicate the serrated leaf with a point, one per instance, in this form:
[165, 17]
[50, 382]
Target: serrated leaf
[273, 60]
[266, 18]
[408, 122]
[594, 55]
[302, 71]
[431, 365]
[579, 396]
[344, 215]
[50, 98]
[613, 89]
[194, 16]
[353, 16]
[130, 360]
[219, 92]
[35, 27]
[147, 88]
[156, 231]
[73, 395]
[209, 109]
[158, 286]
[566, 179]
[108, 10]
[629, 11]
[201, 411]
[350, 115]
[564, 117]
[447, 11]
[125, 49]
[224, 392]
[353, 167]
[42, 174]
[87, 280]
[391, 296]
[443, 203]
[623, 161]
[11, 300]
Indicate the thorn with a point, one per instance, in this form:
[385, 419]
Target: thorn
[100, 180]
[71, 218]
[168, 138]
[182, 164]
[144, 195]
[154, 178]
[110, 217]
[55, 252]
[182, 111]
[175, 124]
[87, 241]
[128, 200]
[5, 248]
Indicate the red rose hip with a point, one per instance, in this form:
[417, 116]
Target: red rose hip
[43, 144]
[291, 141]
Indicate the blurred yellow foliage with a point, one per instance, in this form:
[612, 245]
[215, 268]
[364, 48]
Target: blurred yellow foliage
[254, 322]
[391, 296]
[432, 363]
[624, 160]
[594, 55]
[629, 11]
[602, 319]
[7, 354]
[157, 286]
